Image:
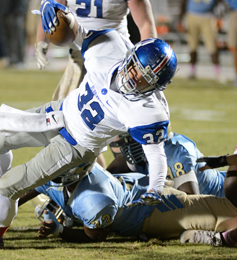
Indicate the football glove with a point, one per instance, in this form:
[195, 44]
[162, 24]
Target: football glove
[48, 14]
[147, 199]
[214, 161]
[41, 49]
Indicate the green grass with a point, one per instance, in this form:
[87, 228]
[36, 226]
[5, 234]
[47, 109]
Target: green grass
[202, 110]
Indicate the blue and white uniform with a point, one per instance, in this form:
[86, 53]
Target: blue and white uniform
[99, 15]
[103, 113]
[100, 199]
[182, 154]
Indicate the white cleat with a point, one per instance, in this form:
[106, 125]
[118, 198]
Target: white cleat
[201, 236]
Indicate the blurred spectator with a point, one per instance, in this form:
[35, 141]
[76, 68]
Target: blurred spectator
[4, 60]
[201, 21]
[232, 34]
[13, 22]
[31, 26]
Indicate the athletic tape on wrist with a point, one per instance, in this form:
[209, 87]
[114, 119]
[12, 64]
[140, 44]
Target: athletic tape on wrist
[58, 230]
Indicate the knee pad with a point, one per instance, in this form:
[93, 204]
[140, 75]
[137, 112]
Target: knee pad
[11, 182]
[2, 141]
[9, 210]
[5, 162]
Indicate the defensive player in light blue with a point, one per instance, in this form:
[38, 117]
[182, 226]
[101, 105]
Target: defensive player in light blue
[99, 200]
[200, 22]
[183, 169]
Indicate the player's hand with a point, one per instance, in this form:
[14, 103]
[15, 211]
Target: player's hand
[150, 198]
[50, 225]
[48, 14]
[41, 49]
[213, 161]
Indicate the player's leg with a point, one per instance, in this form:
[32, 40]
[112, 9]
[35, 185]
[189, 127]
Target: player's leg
[9, 209]
[181, 212]
[193, 34]
[232, 41]
[14, 140]
[6, 161]
[55, 159]
[230, 185]
[7, 206]
[209, 33]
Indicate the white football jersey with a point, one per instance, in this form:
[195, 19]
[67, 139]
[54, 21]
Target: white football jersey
[96, 114]
[101, 14]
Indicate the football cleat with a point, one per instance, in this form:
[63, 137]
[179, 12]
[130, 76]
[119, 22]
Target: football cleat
[1, 243]
[201, 236]
[147, 199]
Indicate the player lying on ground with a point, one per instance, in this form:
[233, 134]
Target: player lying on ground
[99, 202]
[183, 169]
[228, 238]
[117, 95]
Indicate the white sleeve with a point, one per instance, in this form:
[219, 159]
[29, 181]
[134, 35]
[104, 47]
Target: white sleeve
[82, 34]
[157, 162]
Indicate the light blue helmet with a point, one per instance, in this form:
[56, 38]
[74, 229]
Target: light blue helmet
[157, 63]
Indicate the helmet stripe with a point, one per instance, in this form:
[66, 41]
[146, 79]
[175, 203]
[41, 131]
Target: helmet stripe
[164, 61]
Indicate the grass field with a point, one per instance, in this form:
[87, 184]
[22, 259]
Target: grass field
[202, 110]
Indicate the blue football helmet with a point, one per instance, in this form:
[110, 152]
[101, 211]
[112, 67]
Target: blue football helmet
[157, 63]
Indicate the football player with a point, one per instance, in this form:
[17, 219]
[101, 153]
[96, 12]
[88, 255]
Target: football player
[183, 169]
[116, 95]
[229, 237]
[99, 201]
[93, 16]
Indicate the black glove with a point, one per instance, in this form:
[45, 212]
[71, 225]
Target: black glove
[214, 161]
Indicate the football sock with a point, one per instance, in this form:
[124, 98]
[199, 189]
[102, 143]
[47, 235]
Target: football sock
[217, 70]
[192, 69]
[3, 230]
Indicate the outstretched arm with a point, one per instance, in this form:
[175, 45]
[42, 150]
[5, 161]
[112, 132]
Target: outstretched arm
[217, 161]
[143, 17]
[27, 196]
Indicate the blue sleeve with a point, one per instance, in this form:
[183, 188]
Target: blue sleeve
[150, 134]
[42, 189]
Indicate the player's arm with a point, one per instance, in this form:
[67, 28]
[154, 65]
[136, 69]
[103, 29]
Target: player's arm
[218, 161]
[189, 187]
[143, 17]
[157, 162]
[85, 235]
[118, 165]
[27, 196]
[42, 43]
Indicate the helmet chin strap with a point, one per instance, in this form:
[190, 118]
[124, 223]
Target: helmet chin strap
[149, 88]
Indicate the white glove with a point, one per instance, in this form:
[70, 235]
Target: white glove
[41, 49]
